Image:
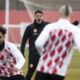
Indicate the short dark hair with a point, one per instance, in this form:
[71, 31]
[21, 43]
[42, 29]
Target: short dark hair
[38, 11]
[2, 30]
[65, 10]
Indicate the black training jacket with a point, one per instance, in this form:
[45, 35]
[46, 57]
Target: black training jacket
[31, 33]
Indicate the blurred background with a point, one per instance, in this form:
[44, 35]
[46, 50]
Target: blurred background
[15, 15]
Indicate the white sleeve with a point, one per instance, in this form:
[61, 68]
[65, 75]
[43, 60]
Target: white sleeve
[18, 56]
[41, 40]
[77, 38]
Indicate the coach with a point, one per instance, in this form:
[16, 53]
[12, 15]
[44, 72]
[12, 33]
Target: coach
[31, 33]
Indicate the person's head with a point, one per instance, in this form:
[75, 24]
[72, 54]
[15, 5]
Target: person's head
[38, 16]
[65, 11]
[2, 34]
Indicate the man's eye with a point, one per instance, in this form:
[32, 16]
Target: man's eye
[40, 16]
[37, 16]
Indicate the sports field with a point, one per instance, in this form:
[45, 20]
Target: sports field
[73, 71]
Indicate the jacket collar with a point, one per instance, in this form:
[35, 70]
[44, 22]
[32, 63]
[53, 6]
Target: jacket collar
[64, 21]
[38, 25]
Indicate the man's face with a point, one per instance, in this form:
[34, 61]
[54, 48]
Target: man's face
[1, 38]
[38, 18]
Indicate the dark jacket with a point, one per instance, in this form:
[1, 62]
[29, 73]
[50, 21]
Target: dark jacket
[31, 33]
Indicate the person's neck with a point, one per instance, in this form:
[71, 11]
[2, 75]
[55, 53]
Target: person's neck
[67, 18]
[38, 23]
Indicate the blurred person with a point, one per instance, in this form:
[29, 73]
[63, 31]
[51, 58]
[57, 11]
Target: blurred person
[11, 59]
[55, 46]
[76, 23]
[31, 33]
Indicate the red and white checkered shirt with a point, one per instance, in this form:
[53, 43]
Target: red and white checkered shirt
[10, 57]
[55, 45]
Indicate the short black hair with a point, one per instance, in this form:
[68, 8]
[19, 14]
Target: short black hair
[38, 11]
[67, 11]
[2, 30]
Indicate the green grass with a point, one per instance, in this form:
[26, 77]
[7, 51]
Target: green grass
[73, 71]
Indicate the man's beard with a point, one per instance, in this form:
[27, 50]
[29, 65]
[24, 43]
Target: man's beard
[2, 45]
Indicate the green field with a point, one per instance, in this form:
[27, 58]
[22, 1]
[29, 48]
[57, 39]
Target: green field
[73, 71]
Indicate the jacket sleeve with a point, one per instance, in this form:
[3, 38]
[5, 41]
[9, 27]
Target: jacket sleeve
[20, 60]
[77, 37]
[41, 40]
[24, 39]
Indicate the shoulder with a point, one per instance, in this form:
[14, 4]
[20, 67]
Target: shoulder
[74, 29]
[50, 26]
[47, 22]
[10, 45]
[30, 26]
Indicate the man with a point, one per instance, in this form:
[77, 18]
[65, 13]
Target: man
[11, 59]
[31, 33]
[55, 44]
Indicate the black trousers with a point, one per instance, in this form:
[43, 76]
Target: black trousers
[16, 77]
[44, 76]
[33, 59]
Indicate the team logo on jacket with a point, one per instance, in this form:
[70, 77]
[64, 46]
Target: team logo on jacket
[35, 30]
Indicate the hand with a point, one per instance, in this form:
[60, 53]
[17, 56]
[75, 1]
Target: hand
[14, 70]
[31, 65]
